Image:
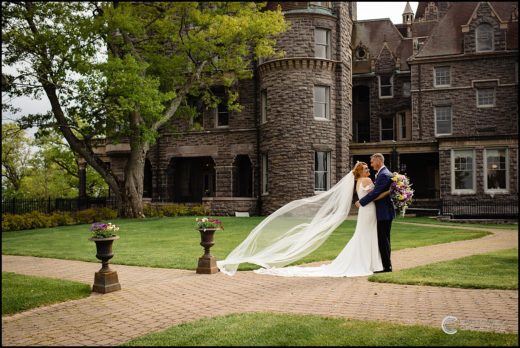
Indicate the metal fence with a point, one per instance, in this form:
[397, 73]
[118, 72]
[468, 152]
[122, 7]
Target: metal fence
[49, 205]
[480, 210]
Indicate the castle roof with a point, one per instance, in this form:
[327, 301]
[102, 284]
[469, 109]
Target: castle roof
[447, 37]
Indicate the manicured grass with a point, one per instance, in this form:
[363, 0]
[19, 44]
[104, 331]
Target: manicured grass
[496, 270]
[431, 220]
[174, 242]
[21, 292]
[269, 329]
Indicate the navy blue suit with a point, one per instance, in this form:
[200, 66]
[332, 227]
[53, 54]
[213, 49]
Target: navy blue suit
[385, 213]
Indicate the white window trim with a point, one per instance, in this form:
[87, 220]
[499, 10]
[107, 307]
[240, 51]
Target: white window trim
[399, 125]
[435, 76]
[328, 53]
[486, 105]
[391, 88]
[452, 169]
[495, 191]
[492, 39]
[265, 178]
[263, 105]
[328, 171]
[216, 120]
[327, 109]
[435, 119]
[381, 130]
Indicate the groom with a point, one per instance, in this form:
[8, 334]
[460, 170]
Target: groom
[384, 208]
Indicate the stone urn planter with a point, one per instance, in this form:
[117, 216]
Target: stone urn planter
[207, 262]
[105, 280]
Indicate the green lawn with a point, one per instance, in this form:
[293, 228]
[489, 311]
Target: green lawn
[496, 270]
[174, 243]
[270, 329]
[430, 220]
[21, 292]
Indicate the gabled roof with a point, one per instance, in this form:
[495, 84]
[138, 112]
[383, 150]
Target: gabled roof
[375, 32]
[447, 37]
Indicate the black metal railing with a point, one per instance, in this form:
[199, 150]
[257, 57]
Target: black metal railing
[480, 209]
[49, 205]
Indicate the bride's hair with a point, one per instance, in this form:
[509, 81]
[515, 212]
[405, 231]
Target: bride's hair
[358, 169]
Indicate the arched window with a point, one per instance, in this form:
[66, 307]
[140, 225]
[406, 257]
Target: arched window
[484, 37]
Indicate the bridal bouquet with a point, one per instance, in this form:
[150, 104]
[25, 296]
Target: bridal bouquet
[401, 192]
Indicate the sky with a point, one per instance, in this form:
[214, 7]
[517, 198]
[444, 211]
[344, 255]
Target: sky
[365, 10]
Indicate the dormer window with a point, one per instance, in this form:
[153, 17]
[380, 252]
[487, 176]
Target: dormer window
[361, 53]
[484, 37]
[386, 86]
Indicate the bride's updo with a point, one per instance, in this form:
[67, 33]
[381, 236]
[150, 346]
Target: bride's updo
[358, 169]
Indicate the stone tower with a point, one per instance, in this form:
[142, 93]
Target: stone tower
[306, 100]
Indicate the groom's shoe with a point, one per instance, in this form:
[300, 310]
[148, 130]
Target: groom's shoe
[383, 271]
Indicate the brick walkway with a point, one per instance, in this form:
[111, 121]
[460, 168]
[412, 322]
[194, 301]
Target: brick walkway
[153, 299]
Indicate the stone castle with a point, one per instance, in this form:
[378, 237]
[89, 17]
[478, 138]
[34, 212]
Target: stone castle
[437, 94]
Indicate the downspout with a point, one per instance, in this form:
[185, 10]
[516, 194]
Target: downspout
[420, 102]
[258, 155]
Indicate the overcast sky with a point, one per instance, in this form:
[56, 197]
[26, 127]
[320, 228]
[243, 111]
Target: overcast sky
[365, 10]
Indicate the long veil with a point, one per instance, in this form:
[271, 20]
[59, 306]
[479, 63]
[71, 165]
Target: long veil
[294, 230]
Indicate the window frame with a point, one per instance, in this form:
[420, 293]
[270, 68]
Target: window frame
[435, 119]
[217, 113]
[409, 89]
[454, 190]
[381, 128]
[327, 44]
[405, 122]
[492, 32]
[435, 84]
[486, 105]
[495, 191]
[265, 174]
[328, 169]
[263, 106]
[327, 103]
[391, 87]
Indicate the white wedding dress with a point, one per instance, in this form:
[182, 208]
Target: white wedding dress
[360, 257]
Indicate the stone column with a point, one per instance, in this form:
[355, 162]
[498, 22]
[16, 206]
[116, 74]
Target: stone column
[224, 177]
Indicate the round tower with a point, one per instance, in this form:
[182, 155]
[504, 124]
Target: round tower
[306, 100]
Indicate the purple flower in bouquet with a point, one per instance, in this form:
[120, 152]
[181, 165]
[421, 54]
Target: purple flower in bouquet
[401, 192]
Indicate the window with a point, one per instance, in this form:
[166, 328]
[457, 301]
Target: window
[386, 86]
[387, 128]
[406, 89]
[264, 106]
[442, 120]
[495, 170]
[321, 102]
[222, 115]
[361, 53]
[264, 174]
[484, 37]
[321, 171]
[404, 130]
[485, 97]
[442, 76]
[322, 43]
[197, 109]
[463, 171]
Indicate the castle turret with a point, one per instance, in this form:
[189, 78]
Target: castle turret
[306, 104]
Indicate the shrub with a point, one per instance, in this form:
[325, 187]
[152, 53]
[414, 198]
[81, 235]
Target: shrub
[174, 209]
[199, 210]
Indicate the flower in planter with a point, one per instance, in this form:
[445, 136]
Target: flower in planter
[205, 223]
[102, 230]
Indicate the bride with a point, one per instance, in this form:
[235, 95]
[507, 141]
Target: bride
[301, 226]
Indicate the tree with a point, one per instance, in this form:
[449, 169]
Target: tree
[157, 54]
[16, 153]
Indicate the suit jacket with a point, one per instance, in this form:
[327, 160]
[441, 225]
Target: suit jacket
[384, 207]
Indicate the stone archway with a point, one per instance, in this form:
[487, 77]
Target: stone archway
[190, 179]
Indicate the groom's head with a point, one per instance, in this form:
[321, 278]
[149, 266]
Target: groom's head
[377, 160]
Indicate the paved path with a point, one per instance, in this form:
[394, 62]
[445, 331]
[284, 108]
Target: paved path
[153, 299]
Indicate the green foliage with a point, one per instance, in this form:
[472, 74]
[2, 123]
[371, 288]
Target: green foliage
[173, 209]
[22, 292]
[35, 219]
[15, 158]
